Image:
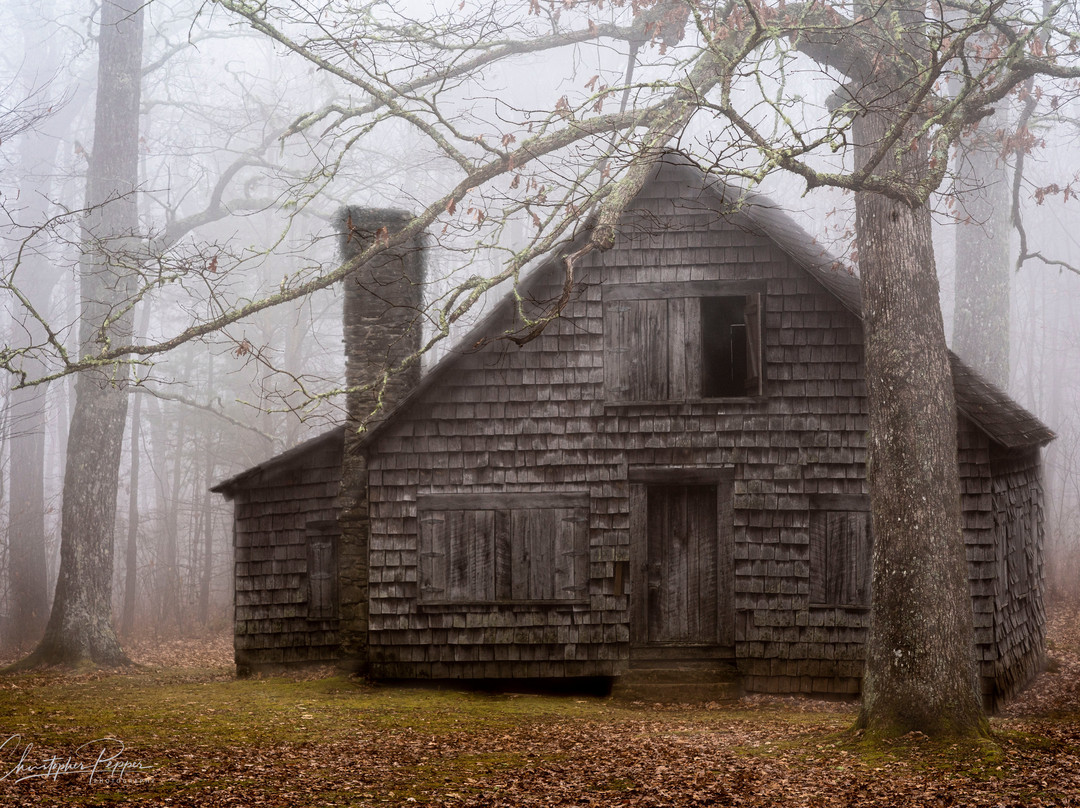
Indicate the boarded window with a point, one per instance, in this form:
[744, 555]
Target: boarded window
[662, 345]
[503, 547]
[840, 553]
[322, 542]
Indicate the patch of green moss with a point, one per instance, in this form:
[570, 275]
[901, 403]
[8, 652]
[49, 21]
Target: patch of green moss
[160, 708]
[978, 758]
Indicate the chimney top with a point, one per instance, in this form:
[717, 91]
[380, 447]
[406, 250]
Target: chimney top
[357, 225]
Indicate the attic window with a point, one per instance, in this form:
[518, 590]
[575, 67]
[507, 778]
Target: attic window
[678, 342]
[493, 548]
[840, 551]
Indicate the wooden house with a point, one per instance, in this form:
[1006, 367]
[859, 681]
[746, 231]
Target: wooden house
[673, 471]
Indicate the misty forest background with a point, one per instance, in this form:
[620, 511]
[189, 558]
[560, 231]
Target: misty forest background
[256, 209]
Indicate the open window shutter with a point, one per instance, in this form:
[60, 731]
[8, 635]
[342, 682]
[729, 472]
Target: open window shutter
[618, 327]
[635, 350]
[684, 348]
[754, 357]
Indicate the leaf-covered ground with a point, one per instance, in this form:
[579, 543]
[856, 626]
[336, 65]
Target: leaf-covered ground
[182, 731]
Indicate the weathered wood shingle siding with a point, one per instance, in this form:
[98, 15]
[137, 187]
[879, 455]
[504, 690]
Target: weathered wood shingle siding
[541, 473]
[536, 419]
[273, 512]
[973, 454]
[1019, 617]
[1002, 503]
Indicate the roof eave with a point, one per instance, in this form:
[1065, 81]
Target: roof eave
[228, 487]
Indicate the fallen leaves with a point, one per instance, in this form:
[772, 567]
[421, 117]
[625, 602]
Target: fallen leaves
[307, 742]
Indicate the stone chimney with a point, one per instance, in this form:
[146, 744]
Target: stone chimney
[383, 303]
[382, 311]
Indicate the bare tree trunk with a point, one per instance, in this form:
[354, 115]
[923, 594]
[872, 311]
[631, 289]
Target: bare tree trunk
[920, 666]
[981, 309]
[131, 554]
[207, 516]
[170, 587]
[79, 627]
[6, 606]
[131, 550]
[27, 567]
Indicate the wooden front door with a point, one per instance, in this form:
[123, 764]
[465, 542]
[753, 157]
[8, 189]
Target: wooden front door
[683, 587]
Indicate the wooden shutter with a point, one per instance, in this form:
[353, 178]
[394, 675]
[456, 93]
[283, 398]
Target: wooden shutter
[322, 570]
[847, 576]
[504, 556]
[840, 558]
[433, 556]
[819, 556]
[636, 350]
[489, 547]
[532, 538]
[457, 555]
[684, 328]
[754, 355]
[571, 553]
[549, 551]
[470, 542]
[864, 559]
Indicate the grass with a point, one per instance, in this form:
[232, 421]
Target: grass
[294, 741]
[162, 708]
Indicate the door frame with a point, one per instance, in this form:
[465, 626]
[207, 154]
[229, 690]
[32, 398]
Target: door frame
[640, 478]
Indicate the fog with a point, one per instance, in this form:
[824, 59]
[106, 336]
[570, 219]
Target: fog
[247, 152]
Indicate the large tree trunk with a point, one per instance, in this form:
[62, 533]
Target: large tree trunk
[79, 627]
[981, 308]
[920, 666]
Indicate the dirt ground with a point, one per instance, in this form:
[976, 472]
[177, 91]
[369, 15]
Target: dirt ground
[182, 731]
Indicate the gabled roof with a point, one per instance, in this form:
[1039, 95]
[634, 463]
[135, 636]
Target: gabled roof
[989, 408]
[986, 406]
[281, 461]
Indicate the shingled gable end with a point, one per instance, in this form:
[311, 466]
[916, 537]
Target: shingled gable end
[672, 473]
